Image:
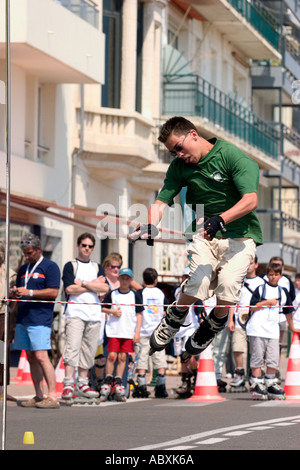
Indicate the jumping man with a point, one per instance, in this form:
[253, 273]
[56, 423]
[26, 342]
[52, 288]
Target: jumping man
[225, 181]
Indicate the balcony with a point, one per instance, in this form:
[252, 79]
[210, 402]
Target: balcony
[191, 95]
[292, 56]
[49, 41]
[268, 76]
[120, 144]
[248, 26]
[281, 233]
[85, 9]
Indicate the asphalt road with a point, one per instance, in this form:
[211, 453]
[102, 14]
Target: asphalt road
[154, 425]
[150, 429]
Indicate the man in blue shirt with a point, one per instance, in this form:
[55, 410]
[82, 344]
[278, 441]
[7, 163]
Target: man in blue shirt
[37, 279]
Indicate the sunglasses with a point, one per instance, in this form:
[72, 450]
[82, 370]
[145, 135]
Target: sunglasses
[115, 267]
[85, 245]
[178, 148]
[25, 242]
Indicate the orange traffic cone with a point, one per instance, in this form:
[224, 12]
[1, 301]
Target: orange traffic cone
[26, 375]
[60, 375]
[206, 388]
[292, 378]
[22, 360]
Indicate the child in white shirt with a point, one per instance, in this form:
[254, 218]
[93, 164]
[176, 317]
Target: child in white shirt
[263, 332]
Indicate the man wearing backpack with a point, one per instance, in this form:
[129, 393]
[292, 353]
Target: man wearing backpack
[83, 281]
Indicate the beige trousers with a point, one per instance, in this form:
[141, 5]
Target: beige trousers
[219, 267]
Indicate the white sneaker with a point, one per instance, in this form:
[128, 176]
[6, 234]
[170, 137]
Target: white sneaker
[83, 390]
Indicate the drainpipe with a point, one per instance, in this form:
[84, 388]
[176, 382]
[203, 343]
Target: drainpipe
[80, 150]
[282, 6]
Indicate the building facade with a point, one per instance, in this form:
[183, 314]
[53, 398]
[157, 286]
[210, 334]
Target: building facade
[91, 83]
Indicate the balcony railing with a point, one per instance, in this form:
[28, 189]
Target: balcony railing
[291, 135]
[85, 9]
[191, 95]
[293, 48]
[260, 18]
[275, 222]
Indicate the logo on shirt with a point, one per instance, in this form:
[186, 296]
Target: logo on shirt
[217, 176]
[152, 306]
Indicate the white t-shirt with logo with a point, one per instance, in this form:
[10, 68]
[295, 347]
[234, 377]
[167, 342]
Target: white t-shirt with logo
[154, 302]
[125, 325]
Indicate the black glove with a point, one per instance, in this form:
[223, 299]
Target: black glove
[213, 224]
[150, 230]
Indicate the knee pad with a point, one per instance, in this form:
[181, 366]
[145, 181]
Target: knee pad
[141, 379]
[160, 380]
[100, 361]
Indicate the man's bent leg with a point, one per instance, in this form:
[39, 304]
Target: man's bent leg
[207, 330]
[171, 323]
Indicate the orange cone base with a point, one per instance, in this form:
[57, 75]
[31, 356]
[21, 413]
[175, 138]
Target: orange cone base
[206, 388]
[59, 389]
[21, 365]
[60, 374]
[212, 397]
[292, 379]
[292, 392]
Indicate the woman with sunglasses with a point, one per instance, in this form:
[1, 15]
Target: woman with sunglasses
[112, 264]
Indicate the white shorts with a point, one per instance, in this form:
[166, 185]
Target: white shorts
[239, 341]
[219, 267]
[159, 359]
[264, 351]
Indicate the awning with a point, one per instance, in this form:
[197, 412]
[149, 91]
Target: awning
[186, 6]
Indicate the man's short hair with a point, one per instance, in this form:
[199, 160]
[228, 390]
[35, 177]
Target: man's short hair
[85, 235]
[277, 268]
[277, 260]
[177, 125]
[150, 275]
[29, 239]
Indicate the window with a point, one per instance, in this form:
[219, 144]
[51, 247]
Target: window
[112, 28]
[40, 121]
[139, 57]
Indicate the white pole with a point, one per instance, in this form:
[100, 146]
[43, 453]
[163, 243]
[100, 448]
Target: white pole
[8, 153]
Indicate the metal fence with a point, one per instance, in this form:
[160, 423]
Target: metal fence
[191, 95]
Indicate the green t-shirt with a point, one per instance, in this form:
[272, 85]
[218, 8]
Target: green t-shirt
[218, 181]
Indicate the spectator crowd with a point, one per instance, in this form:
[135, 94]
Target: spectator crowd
[108, 312]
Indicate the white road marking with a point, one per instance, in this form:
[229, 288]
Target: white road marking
[206, 434]
[283, 424]
[213, 440]
[181, 448]
[237, 433]
[260, 428]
